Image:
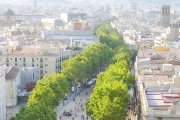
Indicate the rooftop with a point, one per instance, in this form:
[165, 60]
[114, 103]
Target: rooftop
[12, 73]
[162, 99]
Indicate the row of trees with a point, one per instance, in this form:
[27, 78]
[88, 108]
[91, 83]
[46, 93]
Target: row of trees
[110, 85]
[87, 64]
[108, 35]
[51, 89]
[110, 98]
[44, 99]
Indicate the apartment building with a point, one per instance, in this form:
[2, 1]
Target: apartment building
[2, 90]
[157, 81]
[137, 40]
[47, 60]
[52, 23]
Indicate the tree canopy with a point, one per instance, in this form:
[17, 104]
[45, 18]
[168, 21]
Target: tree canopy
[110, 98]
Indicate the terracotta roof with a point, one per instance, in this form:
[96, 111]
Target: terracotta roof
[9, 13]
[12, 73]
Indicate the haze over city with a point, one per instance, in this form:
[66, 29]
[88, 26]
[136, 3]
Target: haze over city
[89, 60]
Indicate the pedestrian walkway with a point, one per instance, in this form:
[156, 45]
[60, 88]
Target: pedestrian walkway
[75, 106]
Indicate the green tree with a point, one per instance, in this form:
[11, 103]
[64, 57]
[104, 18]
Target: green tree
[35, 112]
[109, 101]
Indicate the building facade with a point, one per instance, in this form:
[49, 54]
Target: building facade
[46, 60]
[173, 32]
[2, 90]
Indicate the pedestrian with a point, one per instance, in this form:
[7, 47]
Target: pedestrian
[74, 99]
[76, 114]
[60, 118]
[82, 117]
[70, 111]
[72, 118]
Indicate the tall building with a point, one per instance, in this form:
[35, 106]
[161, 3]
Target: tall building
[165, 15]
[2, 90]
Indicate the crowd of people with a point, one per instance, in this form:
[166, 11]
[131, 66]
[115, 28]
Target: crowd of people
[78, 112]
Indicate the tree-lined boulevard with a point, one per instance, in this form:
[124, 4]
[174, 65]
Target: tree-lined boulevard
[110, 58]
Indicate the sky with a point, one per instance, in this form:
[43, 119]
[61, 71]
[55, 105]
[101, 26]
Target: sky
[95, 2]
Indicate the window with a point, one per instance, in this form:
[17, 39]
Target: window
[24, 59]
[41, 66]
[15, 59]
[33, 76]
[15, 64]
[32, 59]
[37, 58]
[32, 64]
[159, 118]
[41, 71]
[7, 60]
[20, 58]
[24, 64]
[7, 64]
[41, 59]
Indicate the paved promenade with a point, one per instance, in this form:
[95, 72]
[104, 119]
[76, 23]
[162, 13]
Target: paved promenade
[76, 107]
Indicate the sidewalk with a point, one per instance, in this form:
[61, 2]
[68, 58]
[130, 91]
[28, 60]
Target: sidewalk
[77, 106]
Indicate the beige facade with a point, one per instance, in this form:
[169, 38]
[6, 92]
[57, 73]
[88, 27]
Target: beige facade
[144, 44]
[2, 90]
[46, 60]
[173, 32]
